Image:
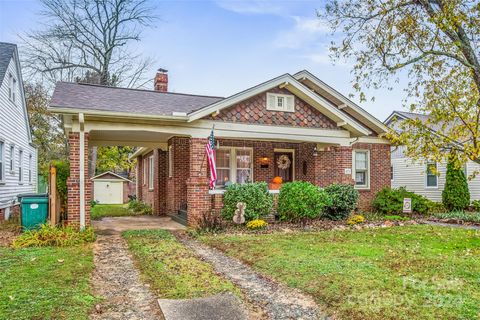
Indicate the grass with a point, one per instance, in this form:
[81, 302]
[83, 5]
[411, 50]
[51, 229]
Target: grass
[109, 210]
[414, 272]
[46, 283]
[172, 269]
[465, 216]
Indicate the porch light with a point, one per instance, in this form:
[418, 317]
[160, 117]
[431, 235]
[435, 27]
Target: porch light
[315, 152]
[264, 162]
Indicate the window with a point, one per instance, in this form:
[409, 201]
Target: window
[170, 161]
[145, 168]
[431, 172]
[10, 86]
[14, 86]
[2, 161]
[150, 173]
[361, 168]
[234, 165]
[12, 158]
[30, 162]
[20, 165]
[280, 102]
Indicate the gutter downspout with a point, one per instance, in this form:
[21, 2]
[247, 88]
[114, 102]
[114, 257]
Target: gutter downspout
[81, 120]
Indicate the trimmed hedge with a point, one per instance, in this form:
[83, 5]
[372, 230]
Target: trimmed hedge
[301, 200]
[390, 201]
[344, 199]
[255, 195]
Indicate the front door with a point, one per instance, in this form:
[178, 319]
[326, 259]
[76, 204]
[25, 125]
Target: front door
[284, 165]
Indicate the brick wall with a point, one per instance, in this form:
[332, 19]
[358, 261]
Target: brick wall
[73, 181]
[199, 201]
[157, 196]
[254, 111]
[380, 167]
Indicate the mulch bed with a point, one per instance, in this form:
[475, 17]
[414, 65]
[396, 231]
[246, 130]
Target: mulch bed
[9, 230]
[314, 225]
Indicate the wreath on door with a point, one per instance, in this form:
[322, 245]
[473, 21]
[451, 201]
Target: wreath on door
[284, 162]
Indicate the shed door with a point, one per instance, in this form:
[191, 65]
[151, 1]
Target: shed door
[108, 192]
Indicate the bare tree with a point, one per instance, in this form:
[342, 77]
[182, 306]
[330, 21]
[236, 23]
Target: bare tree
[89, 39]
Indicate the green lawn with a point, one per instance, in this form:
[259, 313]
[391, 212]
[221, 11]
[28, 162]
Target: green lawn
[36, 284]
[415, 272]
[172, 270]
[109, 210]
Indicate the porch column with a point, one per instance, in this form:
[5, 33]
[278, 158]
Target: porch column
[198, 199]
[76, 216]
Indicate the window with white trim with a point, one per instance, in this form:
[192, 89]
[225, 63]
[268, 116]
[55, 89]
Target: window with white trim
[361, 168]
[12, 158]
[150, 172]
[30, 168]
[2, 161]
[234, 165]
[431, 174]
[280, 102]
[20, 165]
[145, 175]
[170, 161]
[10, 86]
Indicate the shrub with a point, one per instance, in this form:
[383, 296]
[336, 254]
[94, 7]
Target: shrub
[455, 195]
[139, 207]
[390, 201]
[476, 205]
[355, 219]
[54, 236]
[300, 200]
[255, 195]
[256, 224]
[435, 207]
[344, 200]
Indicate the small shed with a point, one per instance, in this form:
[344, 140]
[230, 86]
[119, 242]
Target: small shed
[111, 188]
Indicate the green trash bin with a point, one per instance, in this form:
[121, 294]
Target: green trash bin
[34, 209]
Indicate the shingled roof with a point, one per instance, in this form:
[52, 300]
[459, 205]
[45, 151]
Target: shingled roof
[96, 97]
[6, 53]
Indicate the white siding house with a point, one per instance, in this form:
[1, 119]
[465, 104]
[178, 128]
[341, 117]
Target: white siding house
[18, 156]
[415, 176]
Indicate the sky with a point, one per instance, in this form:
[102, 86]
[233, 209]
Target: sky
[221, 47]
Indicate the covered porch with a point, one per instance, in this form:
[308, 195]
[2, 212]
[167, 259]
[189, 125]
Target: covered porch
[172, 171]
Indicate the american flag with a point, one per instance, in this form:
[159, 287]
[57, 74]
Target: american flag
[210, 150]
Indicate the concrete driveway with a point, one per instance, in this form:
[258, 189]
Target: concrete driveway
[113, 225]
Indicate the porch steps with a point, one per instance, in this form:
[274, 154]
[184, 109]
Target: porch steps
[180, 217]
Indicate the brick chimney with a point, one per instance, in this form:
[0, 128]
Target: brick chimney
[161, 80]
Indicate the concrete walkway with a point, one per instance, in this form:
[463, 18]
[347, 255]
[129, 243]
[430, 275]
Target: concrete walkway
[115, 279]
[116, 225]
[278, 301]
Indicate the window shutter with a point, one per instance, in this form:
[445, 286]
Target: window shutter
[271, 101]
[290, 103]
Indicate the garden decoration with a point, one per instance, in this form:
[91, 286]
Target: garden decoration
[284, 162]
[239, 216]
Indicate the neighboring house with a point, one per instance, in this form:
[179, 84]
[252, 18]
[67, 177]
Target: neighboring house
[420, 176]
[18, 156]
[111, 188]
[293, 126]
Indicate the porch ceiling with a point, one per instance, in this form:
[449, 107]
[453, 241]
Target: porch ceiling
[136, 138]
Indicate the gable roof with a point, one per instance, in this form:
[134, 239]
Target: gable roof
[6, 54]
[340, 101]
[9, 51]
[81, 96]
[288, 82]
[71, 98]
[99, 176]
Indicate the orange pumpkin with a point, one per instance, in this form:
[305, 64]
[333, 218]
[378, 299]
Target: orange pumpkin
[277, 180]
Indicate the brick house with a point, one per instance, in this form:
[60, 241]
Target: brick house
[297, 120]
